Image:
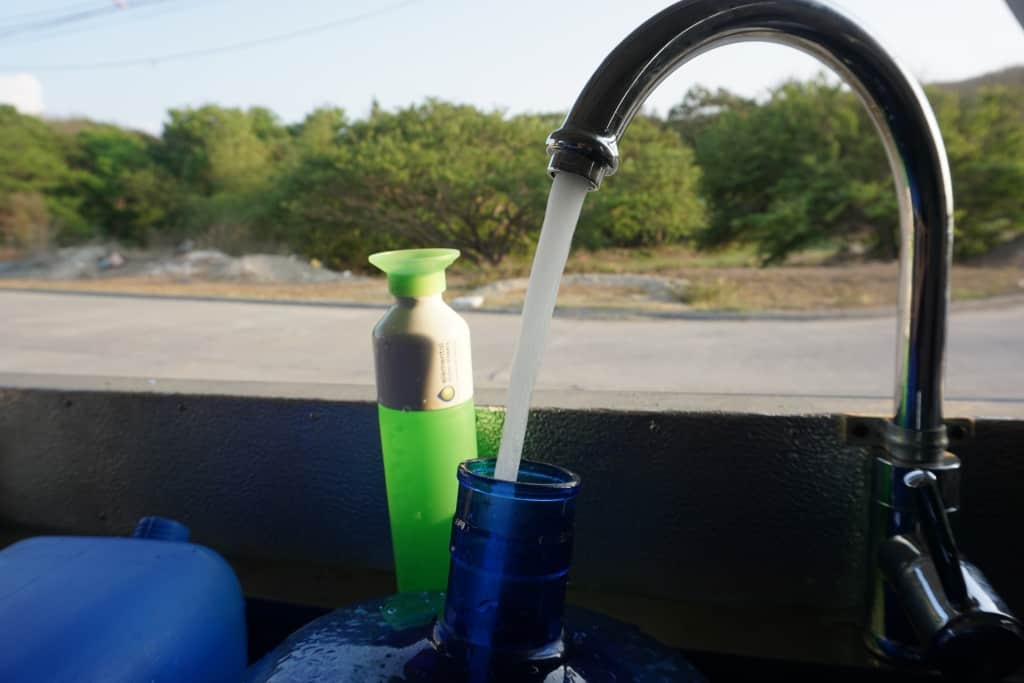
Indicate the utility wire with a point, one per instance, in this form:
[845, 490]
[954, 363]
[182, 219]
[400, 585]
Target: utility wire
[206, 52]
[75, 17]
[14, 18]
[115, 23]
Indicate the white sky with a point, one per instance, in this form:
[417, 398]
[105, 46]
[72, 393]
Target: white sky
[519, 55]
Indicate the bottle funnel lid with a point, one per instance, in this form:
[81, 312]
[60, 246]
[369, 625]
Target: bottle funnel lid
[415, 272]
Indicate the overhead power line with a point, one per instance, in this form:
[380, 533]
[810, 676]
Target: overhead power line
[207, 52]
[113, 23]
[75, 17]
[14, 18]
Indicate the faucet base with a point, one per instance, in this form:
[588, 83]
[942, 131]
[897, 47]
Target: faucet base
[892, 651]
[977, 647]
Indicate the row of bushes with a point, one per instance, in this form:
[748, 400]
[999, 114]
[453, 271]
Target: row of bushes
[799, 169]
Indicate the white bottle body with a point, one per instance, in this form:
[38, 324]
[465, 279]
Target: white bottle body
[422, 355]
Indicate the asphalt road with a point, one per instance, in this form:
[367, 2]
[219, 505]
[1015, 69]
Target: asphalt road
[187, 339]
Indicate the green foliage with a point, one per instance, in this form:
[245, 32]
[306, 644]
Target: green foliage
[806, 167]
[422, 176]
[30, 154]
[803, 168]
[228, 162]
[984, 136]
[36, 180]
[213, 149]
[124, 193]
[700, 108]
[800, 169]
[319, 131]
[652, 199]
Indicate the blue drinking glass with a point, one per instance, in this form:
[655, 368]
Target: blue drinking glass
[511, 549]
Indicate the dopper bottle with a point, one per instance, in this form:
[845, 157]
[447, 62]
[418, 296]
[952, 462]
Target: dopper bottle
[425, 405]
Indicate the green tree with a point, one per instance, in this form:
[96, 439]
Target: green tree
[984, 137]
[433, 174]
[124, 193]
[653, 198]
[228, 162]
[699, 109]
[213, 149]
[802, 168]
[319, 132]
[30, 154]
[36, 181]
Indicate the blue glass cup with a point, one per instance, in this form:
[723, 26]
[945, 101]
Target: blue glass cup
[511, 549]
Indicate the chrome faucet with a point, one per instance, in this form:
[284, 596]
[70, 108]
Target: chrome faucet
[926, 604]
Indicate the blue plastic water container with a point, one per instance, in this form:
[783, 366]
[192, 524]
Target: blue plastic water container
[149, 608]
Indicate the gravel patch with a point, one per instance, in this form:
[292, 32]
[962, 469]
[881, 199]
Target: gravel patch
[657, 288]
[108, 262]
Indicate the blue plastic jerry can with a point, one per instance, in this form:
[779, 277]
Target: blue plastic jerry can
[150, 608]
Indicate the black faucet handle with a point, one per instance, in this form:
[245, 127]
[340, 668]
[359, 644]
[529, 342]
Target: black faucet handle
[934, 526]
[968, 633]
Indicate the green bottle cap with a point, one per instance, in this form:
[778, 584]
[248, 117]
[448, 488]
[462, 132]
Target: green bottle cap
[415, 272]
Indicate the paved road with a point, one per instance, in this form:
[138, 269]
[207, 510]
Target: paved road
[129, 336]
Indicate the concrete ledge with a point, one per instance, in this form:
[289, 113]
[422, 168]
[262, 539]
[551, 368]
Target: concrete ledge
[761, 404]
[724, 523]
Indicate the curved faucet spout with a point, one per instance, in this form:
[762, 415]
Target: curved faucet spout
[587, 145]
[971, 633]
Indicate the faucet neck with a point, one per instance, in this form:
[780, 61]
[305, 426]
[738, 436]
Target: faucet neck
[587, 145]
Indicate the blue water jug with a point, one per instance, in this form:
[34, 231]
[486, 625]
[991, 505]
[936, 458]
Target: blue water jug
[502, 618]
[108, 610]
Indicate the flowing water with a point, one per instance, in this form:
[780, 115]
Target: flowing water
[564, 204]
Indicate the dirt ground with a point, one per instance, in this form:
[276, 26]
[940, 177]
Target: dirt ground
[818, 287]
[787, 288]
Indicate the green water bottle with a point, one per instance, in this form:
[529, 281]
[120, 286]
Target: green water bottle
[424, 370]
